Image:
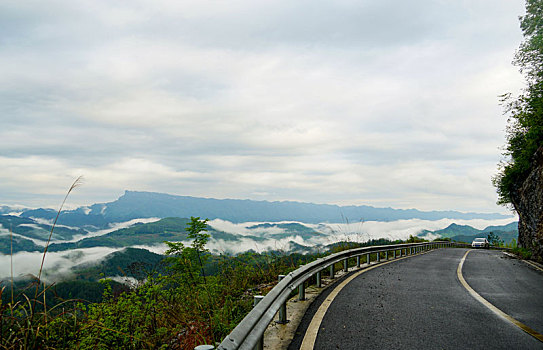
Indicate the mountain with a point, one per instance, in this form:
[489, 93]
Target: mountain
[17, 244]
[33, 229]
[507, 237]
[134, 205]
[512, 227]
[4, 209]
[465, 233]
[80, 217]
[129, 262]
[167, 229]
[173, 229]
[454, 230]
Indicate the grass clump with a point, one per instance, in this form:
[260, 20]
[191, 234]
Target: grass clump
[523, 253]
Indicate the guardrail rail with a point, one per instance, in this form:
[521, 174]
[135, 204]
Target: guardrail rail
[249, 333]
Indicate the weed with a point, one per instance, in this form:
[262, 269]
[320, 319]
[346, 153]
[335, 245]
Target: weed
[25, 322]
[523, 253]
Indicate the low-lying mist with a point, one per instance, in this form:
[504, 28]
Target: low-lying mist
[255, 236]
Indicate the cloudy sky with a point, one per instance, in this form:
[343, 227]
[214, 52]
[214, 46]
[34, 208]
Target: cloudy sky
[386, 103]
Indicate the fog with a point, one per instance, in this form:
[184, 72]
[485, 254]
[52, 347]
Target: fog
[58, 264]
[112, 227]
[6, 232]
[400, 229]
[244, 228]
[361, 231]
[50, 222]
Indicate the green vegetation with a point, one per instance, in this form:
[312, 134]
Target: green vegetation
[19, 244]
[188, 298]
[465, 233]
[495, 240]
[525, 129]
[523, 253]
[167, 229]
[32, 229]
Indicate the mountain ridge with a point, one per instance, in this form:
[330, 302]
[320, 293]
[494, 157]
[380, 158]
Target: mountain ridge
[138, 204]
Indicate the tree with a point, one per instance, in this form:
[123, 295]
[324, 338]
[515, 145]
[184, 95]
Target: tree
[184, 259]
[525, 113]
[495, 240]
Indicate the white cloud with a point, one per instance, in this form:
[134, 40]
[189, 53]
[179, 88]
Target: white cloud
[56, 263]
[112, 227]
[59, 264]
[365, 102]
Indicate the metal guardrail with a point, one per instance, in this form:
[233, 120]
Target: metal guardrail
[248, 334]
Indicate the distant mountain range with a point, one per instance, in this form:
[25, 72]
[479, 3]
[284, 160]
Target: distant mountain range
[108, 239]
[29, 235]
[466, 233]
[135, 205]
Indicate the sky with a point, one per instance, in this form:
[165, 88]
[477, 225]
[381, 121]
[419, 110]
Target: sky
[384, 103]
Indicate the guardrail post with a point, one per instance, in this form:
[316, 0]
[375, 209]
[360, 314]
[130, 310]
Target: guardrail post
[346, 265]
[386, 255]
[319, 284]
[332, 271]
[301, 291]
[394, 253]
[378, 256]
[368, 258]
[358, 261]
[283, 308]
[260, 344]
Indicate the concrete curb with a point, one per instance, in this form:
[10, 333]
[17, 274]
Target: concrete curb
[531, 263]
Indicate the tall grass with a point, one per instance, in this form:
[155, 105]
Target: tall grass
[24, 320]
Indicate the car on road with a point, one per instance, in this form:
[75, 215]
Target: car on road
[480, 243]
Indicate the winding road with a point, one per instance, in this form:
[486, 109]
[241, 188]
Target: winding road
[421, 302]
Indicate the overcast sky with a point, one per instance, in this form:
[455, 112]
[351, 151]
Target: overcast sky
[385, 103]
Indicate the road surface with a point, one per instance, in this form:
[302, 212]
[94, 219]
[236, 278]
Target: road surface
[419, 303]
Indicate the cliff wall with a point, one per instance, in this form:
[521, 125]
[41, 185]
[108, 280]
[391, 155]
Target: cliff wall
[528, 202]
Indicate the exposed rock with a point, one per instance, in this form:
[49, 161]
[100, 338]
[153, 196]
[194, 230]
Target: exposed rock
[528, 203]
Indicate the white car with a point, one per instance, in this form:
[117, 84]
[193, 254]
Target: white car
[480, 243]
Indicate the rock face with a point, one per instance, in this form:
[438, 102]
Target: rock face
[528, 203]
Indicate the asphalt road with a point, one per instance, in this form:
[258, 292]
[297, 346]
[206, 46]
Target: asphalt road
[419, 303]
